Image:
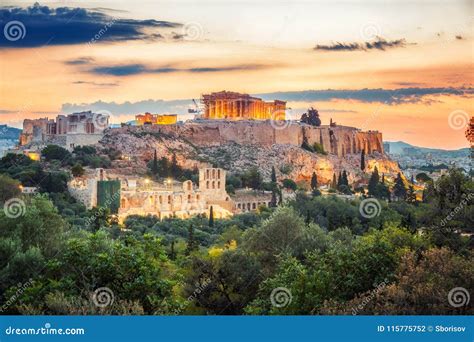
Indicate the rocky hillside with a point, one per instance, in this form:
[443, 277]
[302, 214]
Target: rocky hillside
[290, 161]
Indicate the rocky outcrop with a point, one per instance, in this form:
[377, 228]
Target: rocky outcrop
[238, 146]
[338, 140]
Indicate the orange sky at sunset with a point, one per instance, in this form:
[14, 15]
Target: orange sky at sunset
[420, 51]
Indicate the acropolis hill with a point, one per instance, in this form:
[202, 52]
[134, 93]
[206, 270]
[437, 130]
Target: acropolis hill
[238, 145]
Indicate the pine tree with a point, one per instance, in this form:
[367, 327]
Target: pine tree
[399, 190]
[339, 179]
[211, 217]
[383, 178]
[172, 250]
[344, 179]
[274, 177]
[314, 181]
[373, 182]
[273, 201]
[154, 167]
[175, 169]
[280, 197]
[191, 243]
[362, 160]
[334, 183]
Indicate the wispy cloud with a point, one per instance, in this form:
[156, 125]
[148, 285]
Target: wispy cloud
[377, 44]
[387, 96]
[136, 69]
[97, 84]
[65, 25]
[79, 61]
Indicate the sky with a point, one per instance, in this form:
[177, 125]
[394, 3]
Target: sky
[400, 67]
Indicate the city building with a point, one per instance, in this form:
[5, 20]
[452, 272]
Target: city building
[155, 119]
[236, 106]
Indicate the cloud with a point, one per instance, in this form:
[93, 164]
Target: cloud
[98, 84]
[136, 69]
[459, 37]
[65, 25]
[387, 96]
[79, 61]
[377, 44]
[152, 106]
[391, 97]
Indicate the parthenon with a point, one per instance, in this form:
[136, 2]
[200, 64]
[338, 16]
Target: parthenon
[237, 106]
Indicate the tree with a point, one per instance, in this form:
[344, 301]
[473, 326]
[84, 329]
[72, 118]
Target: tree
[362, 160]
[55, 152]
[344, 179]
[191, 244]
[289, 184]
[422, 177]
[77, 170]
[175, 168]
[314, 182]
[211, 217]
[373, 182]
[154, 167]
[334, 183]
[273, 177]
[311, 117]
[339, 180]
[399, 189]
[273, 201]
[9, 188]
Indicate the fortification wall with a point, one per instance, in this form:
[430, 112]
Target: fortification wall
[338, 140]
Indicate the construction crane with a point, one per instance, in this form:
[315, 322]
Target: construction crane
[196, 109]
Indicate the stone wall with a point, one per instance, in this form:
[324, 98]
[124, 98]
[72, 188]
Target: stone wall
[338, 140]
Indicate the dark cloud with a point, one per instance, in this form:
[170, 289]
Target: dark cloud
[97, 84]
[377, 44]
[136, 69]
[79, 61]
[459, 37]
[65, 25]
[178, 36]
[387, 96]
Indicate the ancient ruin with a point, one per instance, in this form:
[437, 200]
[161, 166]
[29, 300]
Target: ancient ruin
[237, 106]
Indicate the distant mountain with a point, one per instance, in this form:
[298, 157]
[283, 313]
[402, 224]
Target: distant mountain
[9, 133]
[397, 147]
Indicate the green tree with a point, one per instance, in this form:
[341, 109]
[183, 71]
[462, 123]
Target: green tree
[362, 160]
[373, 182]
[211, 217]
[289, 184]
[399, 189]
[154, 167]
[191, 244]
[9, 188]
[55, 152]
[273, 177]
[314, 182]
[77, 170]
[334, 182]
